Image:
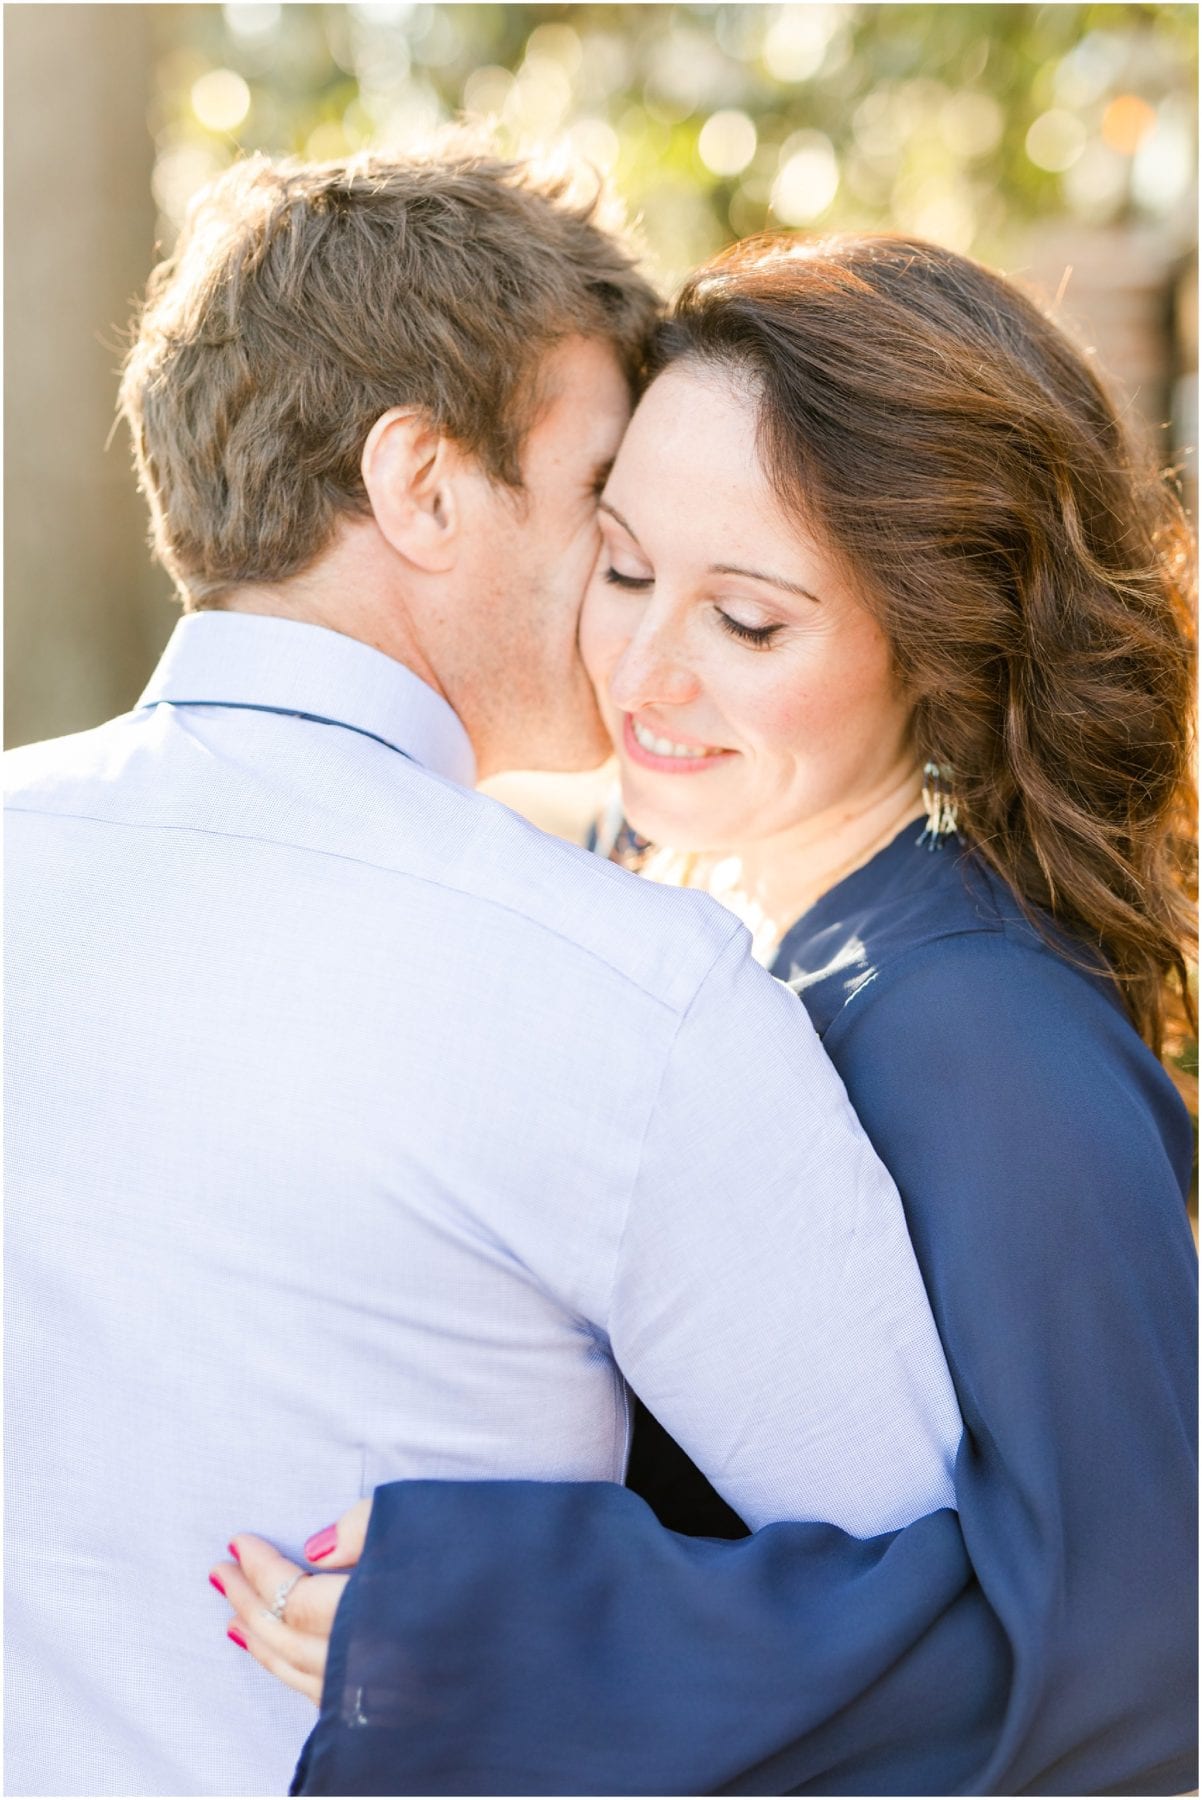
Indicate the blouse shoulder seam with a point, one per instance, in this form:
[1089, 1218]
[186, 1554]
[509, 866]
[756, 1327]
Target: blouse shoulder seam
[998, 935]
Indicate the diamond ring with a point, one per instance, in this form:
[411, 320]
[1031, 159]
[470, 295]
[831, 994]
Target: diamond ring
[276, 1609]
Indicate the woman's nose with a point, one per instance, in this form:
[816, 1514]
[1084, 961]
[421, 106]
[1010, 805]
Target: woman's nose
[649, 674]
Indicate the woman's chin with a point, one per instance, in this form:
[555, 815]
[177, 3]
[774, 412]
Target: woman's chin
[667, 831]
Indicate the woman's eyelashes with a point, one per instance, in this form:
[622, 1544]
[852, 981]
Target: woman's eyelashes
[758, 635]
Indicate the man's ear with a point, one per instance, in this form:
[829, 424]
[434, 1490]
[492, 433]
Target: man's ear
[408, 470]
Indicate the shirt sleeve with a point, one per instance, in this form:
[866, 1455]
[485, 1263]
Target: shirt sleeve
[539, 1639]
[766, 1303]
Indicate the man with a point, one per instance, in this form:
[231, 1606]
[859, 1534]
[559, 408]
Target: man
[356, 1129]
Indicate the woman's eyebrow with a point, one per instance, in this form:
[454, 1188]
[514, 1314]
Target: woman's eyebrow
[790, 587]
[613, 512]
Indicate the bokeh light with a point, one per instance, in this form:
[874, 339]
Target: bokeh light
[1038, 138]
[253, 21]
[808, 179]
[1165, 165]
[971, 124]
[220, 100]
[727, 142]
[796, 43]
[1126, 122]
[1056, 140]
[596, 142]
[486, 91]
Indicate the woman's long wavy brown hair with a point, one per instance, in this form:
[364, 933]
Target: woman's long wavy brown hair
[1030, 568]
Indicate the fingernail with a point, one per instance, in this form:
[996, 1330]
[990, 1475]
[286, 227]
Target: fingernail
[321, 1543]
[213, 1582]
[233, 1550]
[237, 1636]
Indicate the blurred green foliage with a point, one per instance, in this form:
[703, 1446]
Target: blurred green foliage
[960, 122]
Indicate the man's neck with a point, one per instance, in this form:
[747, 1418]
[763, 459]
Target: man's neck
[343, 591]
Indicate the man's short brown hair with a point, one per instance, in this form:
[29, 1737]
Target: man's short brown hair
[303, 301]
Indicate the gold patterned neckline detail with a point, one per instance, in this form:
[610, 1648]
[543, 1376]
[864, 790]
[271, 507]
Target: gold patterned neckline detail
[720, 877]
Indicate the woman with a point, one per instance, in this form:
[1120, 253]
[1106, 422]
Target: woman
[875, 548]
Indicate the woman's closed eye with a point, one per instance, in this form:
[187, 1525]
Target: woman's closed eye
[759, 636]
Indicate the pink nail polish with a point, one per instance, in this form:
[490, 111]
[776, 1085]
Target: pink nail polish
[237, 1636]
[213, 1582]
[321, 1543]
[233, 1550]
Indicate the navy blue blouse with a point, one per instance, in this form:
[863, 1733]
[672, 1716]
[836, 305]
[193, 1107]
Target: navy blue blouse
[528, 1638]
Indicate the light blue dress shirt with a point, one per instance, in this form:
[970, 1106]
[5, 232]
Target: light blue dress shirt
[357, 1130]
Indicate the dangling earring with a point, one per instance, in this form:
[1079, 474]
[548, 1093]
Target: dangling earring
[940, 805]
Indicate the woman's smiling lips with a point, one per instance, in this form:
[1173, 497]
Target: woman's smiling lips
[646, 744]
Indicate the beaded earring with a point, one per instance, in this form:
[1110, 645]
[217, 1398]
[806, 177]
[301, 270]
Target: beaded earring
[940, 804]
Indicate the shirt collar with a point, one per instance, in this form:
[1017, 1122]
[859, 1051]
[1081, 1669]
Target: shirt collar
[280, 665]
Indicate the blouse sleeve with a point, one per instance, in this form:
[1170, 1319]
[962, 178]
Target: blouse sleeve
[524, 1638]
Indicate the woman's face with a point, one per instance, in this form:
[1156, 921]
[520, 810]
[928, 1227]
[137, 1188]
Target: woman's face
[747, 690]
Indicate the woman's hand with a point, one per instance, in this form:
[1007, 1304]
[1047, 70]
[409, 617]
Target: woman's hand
[293, 1644]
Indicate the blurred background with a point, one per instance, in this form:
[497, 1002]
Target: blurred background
[1056, 142]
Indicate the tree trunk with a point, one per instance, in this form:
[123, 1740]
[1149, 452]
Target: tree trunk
[86, 610]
